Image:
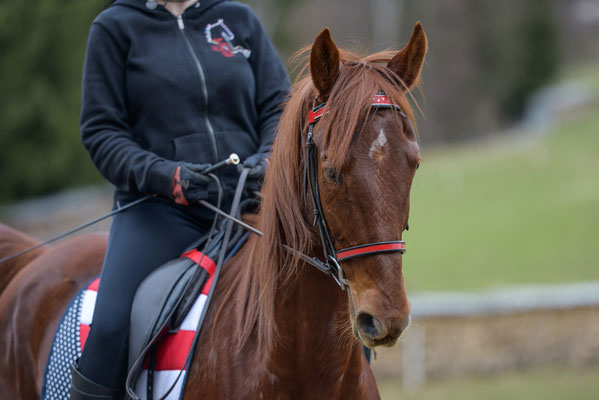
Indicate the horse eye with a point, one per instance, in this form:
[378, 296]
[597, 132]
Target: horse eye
[407, 227]
[418, 165]
[333, 174]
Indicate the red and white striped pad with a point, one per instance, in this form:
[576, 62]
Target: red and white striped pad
[173, 349]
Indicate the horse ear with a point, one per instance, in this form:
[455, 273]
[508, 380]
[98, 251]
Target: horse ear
[324, 63]
[408, 62]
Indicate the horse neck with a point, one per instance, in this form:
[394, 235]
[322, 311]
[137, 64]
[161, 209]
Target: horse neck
[312, 321]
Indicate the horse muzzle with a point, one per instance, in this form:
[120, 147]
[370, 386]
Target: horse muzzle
[373, 331]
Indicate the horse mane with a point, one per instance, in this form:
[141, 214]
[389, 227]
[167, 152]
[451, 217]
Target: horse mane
[285, 214]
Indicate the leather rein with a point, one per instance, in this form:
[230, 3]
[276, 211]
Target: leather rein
[330, 265]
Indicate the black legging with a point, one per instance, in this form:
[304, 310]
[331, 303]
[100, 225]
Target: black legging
[141, 239]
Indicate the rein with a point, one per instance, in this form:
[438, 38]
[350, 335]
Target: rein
[330, 265]
[77, 229]
[232, 159]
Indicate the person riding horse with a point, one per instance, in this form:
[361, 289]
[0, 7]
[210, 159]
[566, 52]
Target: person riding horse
[160, 104]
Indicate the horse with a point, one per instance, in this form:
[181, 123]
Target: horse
[278, 327]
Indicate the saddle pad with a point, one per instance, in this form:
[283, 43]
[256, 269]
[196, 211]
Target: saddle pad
[172, 353]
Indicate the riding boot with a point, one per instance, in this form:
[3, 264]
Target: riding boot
[85, 389]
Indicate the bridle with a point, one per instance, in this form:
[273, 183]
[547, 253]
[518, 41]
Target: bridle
[332, 257]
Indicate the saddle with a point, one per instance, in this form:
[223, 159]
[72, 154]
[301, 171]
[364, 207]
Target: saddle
[169, 303]
[158, 301]
[162, 303]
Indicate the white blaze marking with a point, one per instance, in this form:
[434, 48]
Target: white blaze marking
[378, 144]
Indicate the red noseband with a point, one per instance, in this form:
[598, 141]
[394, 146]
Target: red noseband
[370, 249]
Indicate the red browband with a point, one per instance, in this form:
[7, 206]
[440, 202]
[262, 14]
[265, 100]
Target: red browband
[381, 99]
[378, 100]
[316, 113]
[369, 249]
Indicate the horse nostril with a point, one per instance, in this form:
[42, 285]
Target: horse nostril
[369, 326]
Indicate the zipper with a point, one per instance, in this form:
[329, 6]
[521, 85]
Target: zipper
[202, 76]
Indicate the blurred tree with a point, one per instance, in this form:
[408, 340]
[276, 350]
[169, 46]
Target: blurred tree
[520, 50]
[485, 59]
[42, 47]
[535, 60]
[273, 15]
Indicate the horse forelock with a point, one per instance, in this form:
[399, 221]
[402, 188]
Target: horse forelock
[284, 214]
[350, 102]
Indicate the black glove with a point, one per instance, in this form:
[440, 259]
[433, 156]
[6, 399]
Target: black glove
[190, 185]
[257, 164]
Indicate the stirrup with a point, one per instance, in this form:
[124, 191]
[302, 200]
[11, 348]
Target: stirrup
[84, 389]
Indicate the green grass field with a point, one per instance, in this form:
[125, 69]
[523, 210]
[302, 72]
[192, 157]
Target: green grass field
[551, 384]
[522, 208]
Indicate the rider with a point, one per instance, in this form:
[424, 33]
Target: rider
[168, 88]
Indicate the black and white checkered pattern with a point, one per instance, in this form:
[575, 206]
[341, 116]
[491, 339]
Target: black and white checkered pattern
[65, 350]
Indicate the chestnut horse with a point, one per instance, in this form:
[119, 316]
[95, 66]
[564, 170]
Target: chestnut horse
[278, 327]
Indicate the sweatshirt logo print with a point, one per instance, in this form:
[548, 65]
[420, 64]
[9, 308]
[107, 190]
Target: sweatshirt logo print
[221, 39]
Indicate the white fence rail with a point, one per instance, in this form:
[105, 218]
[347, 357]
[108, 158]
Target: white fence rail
[505, 300]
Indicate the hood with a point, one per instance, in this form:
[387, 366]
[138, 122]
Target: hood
[141, 6]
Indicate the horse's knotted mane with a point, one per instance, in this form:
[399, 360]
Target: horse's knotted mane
[284, 215]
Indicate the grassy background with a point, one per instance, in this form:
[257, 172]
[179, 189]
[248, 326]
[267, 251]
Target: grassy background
[551, 384]
[517, 209]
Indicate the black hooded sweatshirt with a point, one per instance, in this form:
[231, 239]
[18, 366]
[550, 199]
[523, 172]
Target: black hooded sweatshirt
[159, 89]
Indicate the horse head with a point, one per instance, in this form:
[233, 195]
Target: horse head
[367, 158]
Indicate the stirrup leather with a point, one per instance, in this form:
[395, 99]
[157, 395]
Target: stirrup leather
[84, 389]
